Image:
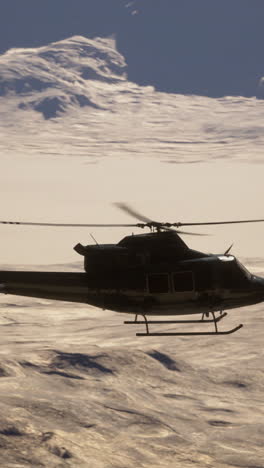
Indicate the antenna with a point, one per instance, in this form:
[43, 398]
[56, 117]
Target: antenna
[93, 238]
[228, 250]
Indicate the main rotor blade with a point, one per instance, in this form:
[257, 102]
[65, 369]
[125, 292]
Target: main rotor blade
[166, 226]
[210, 223]
[29, 223]
[74, 225]
[184, 233]
[128, 209]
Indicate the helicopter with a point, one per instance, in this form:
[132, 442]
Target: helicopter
[151, 274]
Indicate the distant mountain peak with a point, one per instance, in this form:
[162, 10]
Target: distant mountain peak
[49, 78]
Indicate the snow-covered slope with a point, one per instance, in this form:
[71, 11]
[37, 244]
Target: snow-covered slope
[78, 389]
[50, 78]
[84, 82]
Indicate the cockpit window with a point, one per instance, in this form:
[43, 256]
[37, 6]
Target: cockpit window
[244, 269]
[232, 274]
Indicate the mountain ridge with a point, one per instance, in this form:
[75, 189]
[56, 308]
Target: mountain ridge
[50, 78]
[205, 48]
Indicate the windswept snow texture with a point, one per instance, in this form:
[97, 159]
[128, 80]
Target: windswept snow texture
[49, 79]
[81, 84]
[79, 389]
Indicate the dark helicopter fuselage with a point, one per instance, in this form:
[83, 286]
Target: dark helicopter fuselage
[154, 274]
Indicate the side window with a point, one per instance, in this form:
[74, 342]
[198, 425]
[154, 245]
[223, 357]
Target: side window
[183, 281]
[158, 283]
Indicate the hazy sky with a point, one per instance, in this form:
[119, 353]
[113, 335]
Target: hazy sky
[207, 47]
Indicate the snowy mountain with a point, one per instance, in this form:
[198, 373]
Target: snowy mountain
[84, 80]
[49, 79]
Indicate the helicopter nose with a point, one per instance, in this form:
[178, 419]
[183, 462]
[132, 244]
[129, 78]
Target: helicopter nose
[258, 284]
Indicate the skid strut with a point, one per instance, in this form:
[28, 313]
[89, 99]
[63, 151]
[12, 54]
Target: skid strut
[217, 319]
[214, 320]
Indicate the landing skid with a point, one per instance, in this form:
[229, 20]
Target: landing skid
[214, 320]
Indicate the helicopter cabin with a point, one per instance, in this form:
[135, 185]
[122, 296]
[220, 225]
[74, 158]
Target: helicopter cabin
[199, 275]
[218, 272]
[160, 264]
